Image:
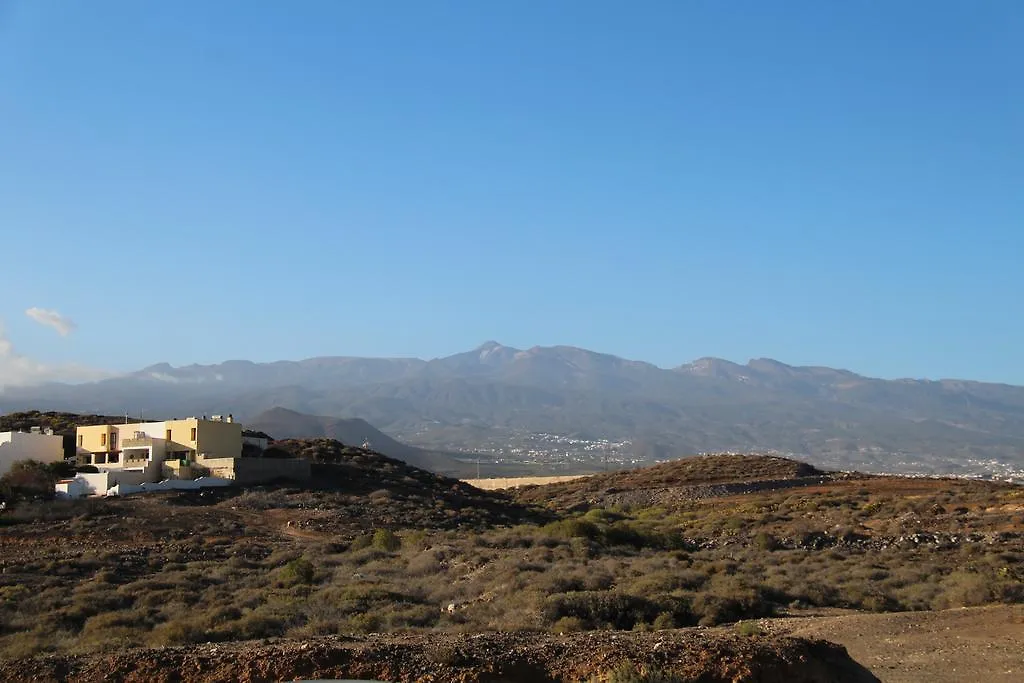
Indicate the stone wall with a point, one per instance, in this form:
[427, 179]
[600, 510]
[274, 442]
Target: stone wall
[248, 471]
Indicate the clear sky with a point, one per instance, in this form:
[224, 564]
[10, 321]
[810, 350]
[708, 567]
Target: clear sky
[834, 183]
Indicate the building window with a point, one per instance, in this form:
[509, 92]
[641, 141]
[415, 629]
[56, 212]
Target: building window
[103, 439]
[167, 435]
[193, 433]
[81, 440]
[113, 441]
[101, 459]
[87, 459]
[114, 457]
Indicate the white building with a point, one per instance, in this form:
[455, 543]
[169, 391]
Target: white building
[34, 445]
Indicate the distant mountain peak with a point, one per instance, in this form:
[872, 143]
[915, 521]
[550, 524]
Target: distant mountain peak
[493, 352]
[710, 366]
[158, 367]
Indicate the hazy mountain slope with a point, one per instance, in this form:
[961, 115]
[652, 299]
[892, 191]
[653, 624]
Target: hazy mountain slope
[281, 423]
[707, 405]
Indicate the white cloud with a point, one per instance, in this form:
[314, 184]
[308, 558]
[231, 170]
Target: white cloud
[64, 326]
[17, 369]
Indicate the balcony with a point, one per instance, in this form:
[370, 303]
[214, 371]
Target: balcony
[137, 442]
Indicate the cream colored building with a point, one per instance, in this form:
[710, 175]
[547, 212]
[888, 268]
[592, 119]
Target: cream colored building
[152, 451]
[33, 445]
[163, 454]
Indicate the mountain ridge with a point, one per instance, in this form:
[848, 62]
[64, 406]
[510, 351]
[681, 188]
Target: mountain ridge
[490, 347]
[834, 417]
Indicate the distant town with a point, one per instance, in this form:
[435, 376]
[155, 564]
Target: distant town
[557, 453]
[549, 452]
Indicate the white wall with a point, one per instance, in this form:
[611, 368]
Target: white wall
[97, 484]
[72, 488]
[93, 484]
[171, 485]
[15, 446]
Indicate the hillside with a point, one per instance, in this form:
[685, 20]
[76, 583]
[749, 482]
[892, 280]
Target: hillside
[384, 563]
[281, 423]
[497, 398]
[684, 479]
[710, 657]
[364, 490]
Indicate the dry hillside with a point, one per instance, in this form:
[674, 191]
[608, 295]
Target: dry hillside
[377, 547]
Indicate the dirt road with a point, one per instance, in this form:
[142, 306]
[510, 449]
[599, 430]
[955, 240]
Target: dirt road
[971, 644]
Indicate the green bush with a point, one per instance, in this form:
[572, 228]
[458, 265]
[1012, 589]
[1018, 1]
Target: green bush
[665, 620]
[386, 540]
[749, 628]
[568, 625]
[598, 609]
[627, 672]
[572, 528]
[765, 541]
[299, 571]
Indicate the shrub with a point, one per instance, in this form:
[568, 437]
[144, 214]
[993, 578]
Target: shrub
[623, 533]
[731, 600]
[28, 479]
[298, 571]
[258, 499]
[572, 528]
[364, 623]
[386, 540]
[665, 620]
[568, 625]
[965, 589]
[184, 631]
[596, 609]
[765, 541]
[627, 672]
[749, 628]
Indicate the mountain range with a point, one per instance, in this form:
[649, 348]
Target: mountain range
[829, 416]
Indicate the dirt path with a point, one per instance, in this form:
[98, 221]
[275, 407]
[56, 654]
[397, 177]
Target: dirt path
[974, 644]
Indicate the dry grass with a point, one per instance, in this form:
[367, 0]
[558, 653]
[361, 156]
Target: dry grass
[172, 569]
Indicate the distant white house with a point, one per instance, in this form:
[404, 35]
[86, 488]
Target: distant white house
[33, 445]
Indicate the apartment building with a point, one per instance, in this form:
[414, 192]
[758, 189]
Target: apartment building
[152, 451]
[36, 444]
[132, 455]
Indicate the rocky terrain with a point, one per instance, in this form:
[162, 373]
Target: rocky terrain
[713, 656]
[686, 479]
[358, 489]
[381, 569]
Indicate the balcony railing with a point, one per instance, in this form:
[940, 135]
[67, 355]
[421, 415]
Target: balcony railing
[142, 442]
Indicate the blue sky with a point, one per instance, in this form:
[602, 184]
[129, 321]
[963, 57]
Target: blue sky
[822, 183]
